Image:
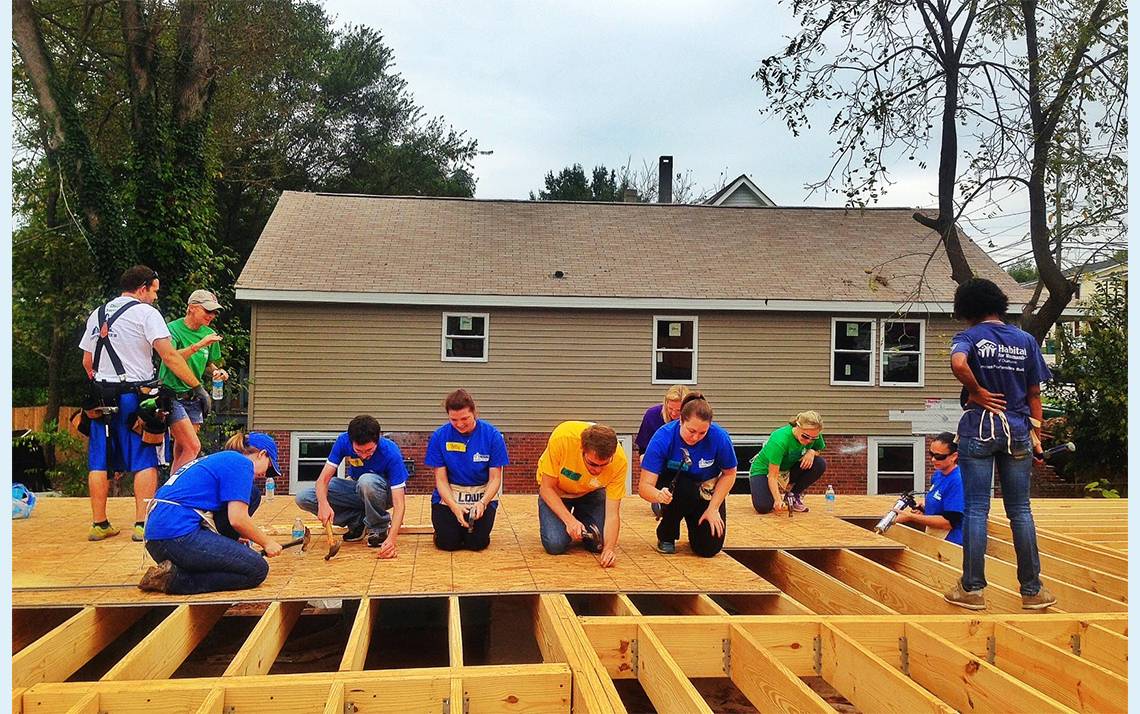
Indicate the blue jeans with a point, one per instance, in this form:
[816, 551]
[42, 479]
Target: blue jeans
[589, 508]
[367, 498]
[977, 460]
[205, 562]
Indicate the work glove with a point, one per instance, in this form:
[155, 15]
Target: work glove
[203, 398]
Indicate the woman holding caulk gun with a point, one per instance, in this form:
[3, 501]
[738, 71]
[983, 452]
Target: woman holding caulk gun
[788, 465]
[696, 455]
[468, 455]
[944, 504]
[197, 516]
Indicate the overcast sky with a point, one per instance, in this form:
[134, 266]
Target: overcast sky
[544, 85]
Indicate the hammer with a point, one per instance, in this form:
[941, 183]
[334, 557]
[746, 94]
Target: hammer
[333, 547]
[303, 541]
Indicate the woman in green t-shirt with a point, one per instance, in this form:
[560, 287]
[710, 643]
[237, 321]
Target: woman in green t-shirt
[789, 461]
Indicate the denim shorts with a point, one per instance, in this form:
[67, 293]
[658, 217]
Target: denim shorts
[186, 409]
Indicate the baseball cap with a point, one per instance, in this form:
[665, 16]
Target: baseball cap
[265, 442]
[206, 299]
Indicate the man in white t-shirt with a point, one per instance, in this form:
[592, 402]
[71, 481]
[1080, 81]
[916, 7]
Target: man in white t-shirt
[117, 345]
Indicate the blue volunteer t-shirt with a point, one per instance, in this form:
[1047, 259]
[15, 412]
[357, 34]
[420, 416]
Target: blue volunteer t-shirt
[208, 483]
[386, 461]
[704, 460]
[1006, 360]
[468, 458]
[946, 496]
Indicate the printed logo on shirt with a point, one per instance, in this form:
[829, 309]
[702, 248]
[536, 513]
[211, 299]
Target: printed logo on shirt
[480, 458]
[705, 463]
[456, 446]
[572, 475]
[595, 483]
[936, 495]
[354, 461]
[986, 348]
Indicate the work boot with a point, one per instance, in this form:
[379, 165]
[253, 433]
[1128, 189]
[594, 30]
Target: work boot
[667, 547]
[157, 578]
[354, 533]
[964, 598]
[102, 532]
[138, 534]
[377, 537]
[798, 503]
[1040, 601]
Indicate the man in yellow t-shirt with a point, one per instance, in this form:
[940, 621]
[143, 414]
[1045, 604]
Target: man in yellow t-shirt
[581, 480]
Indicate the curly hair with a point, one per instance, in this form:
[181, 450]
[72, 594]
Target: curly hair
[978, 298]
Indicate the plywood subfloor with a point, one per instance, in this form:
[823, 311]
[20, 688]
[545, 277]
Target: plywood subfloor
[68, 570]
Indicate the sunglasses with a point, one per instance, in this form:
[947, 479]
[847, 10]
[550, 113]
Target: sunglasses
[808, 437]
[939, 457]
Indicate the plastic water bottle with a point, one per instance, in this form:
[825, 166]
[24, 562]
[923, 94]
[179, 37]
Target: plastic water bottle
[270, 488]
[218, 390]
[298, 531]
[829, 499]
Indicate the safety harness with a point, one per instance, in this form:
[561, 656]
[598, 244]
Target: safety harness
[103, 342]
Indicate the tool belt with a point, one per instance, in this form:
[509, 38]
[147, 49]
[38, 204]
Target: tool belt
[152, 418]
[706, 489]
[467, 495]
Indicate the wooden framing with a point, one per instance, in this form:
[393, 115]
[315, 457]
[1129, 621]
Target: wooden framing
[162, 651]
[260, 650]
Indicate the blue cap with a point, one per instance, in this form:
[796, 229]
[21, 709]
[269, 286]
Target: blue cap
[265, 442]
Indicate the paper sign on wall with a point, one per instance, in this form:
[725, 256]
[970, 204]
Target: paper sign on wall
[852, 329]
[465, 323]
[674, 329]
[449, 343]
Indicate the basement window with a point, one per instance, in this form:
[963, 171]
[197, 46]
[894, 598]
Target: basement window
[901, 353]
[895, 464]
[852, 350]
[309, 452]
[465, 337]
[674, 350]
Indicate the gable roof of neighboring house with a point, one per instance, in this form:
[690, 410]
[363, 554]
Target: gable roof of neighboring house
[1094, 268]
[741, 192]
[439, 251]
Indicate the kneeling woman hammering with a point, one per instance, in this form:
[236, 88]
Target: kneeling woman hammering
[182, 535]
[788, 464]
[697, 457]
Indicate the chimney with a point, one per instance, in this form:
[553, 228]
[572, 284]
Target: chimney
[630, 196]
[665, 180]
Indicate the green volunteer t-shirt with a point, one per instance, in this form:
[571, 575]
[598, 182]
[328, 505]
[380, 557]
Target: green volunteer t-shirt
[782, 448]
[182, 337]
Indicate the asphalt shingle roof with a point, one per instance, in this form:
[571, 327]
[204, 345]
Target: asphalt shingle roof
[324, 242]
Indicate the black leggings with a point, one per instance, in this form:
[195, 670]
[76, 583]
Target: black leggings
[800, 481]
[688, 505]
[449, 535]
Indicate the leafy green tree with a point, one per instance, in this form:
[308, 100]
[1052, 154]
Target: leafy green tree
[1023, 271]
[1090, 385]
[571, 184]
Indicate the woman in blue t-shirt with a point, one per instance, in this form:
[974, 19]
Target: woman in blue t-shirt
[696, 457]
[182, 535]
[468, 455]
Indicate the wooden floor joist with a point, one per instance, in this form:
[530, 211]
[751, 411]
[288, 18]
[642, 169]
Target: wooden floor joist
[767, 682]
[58, 654]
[261, 648]
[167, 645]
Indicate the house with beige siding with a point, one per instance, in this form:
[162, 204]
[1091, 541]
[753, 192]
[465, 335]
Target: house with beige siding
[548, 311]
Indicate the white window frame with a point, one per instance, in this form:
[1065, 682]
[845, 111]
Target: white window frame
[295, 439]
[918, 458]
[871, 353]
[486, 337]
[653, 355]
[626, 443]
[921, 353]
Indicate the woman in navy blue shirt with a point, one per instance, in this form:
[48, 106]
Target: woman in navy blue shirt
[696, 457]
[182, 535]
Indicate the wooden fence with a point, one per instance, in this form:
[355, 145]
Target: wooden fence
[34, 417]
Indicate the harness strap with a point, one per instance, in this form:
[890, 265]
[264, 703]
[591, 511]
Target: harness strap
[104, 339]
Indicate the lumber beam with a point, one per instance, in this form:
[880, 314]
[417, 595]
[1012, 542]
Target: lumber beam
[260, 649]
[816, 589]
[868, 681]
[456, 703]
[1056, 544]
[662, 678]
[335, 702]
[58, 654]
[768, 684]
[28, 625]
[884, 585]
[699, 604]
[18, 700]
[696, 647]
[215, 702]
[762, 604]
[360, 637]
[1095, 643]
[1097, 581]
[966, 682]
[940, 577]
[89, 704]
[163, 650]
[454, 632]
[560, 638]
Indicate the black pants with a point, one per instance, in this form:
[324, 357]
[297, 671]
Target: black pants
[688, 505]
[450, 535]
[799, 481]
[222, 516]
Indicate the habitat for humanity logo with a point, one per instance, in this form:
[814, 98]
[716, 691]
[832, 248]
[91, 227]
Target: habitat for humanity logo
[986, 348]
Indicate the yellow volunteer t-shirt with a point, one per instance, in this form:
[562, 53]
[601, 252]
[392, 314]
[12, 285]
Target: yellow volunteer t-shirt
[563, 460]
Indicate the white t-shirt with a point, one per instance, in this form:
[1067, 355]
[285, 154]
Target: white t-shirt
[132, 335]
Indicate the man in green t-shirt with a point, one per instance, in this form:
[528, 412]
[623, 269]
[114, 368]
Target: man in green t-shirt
[199, 346]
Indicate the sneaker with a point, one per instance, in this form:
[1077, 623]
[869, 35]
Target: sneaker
[656, 508]
[798, 503]
[138, 534]
[1040, 601]
[966, 599]
[157, 578]
[102, 532]
[354, 533]
[376, 538]
[667, 547]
